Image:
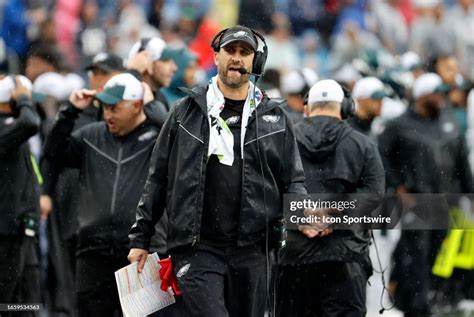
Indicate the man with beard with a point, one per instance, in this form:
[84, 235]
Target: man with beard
[219, 171]
[423, 151]
[368, 93]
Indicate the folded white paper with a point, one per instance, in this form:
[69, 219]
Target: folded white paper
[140, 293]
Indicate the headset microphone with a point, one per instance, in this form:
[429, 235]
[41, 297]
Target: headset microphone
[243, 71]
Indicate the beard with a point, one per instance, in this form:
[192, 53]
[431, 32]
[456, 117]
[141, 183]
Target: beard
[432, 108]
[236, 82]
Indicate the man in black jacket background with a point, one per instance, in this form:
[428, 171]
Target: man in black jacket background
[324, 272]
[222, 184]
[113, 157]
[423, 151]
[19, 192]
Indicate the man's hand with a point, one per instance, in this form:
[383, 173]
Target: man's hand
[408, 199]
[311, 233]
[139, 255]
[46, 205]
[319, 227]
[20, 90]
[82, 98]
[141, 62]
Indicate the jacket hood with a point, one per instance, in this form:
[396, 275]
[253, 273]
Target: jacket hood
[317, 136]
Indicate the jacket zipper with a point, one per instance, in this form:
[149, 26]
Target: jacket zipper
[117, 177]
[200, 193]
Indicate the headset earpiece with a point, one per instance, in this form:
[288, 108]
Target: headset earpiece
[260, 57]
[12, 101]
[347, 105]
[143, 43]
[216, 41]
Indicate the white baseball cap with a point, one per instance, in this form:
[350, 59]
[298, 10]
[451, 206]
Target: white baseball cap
[155, 46]
[347, 74]
[121, 87]
[294, 81]
[7, 85]
[427, 84]
[325, 90]
[50, 84]
[410, 61]
[368, 88]
[426, 3]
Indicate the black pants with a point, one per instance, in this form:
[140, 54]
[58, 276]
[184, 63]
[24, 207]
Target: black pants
[19, 273]
[10, 267]
[414, 257]
[220, 282]
[97, 293]
[322, 289]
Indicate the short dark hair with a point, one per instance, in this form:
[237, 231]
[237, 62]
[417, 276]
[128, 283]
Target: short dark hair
[49, 54]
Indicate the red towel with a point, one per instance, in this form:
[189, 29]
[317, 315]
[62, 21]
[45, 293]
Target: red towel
[168, 278]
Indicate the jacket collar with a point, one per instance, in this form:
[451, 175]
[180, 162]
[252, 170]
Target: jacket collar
[199, 95]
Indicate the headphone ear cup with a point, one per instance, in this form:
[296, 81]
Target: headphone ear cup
[347, 105]
[260, 57]
[216, 41]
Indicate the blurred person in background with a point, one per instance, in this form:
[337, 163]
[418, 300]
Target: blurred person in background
[42, 59]
[153, 62]
[313, 52]
[91, 37]
[429, 36]
[14, 26]
[282, 51]
[368, 94]
[200, 45]
[458, 99]
[411, 62]
[446, 66]
[66, 19]
[130, 26]
[295, 85]
[270, 82]
[428, 141]
[460, 18]
[390, 25]
[185, 76]
[347, 75]
[19, 194]
[352, 42]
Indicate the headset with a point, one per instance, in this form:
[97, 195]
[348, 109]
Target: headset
[12, 101]
[347, 104]
[258, 65]
[305, 90]
[143, 43]
[260, 55]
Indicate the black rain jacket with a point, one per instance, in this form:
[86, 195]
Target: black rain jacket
[178, 168]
